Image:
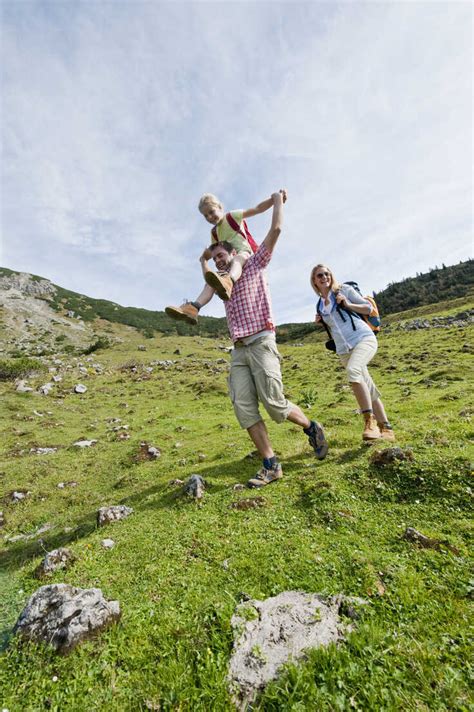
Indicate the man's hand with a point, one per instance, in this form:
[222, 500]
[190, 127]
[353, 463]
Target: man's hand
[206, 255]
[280, 197]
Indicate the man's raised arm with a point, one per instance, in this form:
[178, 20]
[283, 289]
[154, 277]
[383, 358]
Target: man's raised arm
[277, 220]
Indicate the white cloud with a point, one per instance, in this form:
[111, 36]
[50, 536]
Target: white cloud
[118, 116]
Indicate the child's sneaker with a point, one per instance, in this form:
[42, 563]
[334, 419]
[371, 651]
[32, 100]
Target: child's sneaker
[222, 283]
[186, 312]
[317, 440]
[264, 476]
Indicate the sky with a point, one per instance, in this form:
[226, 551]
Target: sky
[116, 116]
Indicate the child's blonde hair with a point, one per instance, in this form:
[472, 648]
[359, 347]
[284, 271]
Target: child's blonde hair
[209, 198]
[334, 283]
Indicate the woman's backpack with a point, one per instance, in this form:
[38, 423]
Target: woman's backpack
[372, 319]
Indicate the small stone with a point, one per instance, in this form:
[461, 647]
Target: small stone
[43, 450]
[60, 558]
[238, 487]
[85, 443]
[18, 495]
[107, 543]
[106, 515]
[141, 347]
[80, 388]
[249, 503]
[46, 388]
[21, 387]
[195, 486]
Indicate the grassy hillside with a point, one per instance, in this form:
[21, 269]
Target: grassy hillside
[179, 569]
[145, 320]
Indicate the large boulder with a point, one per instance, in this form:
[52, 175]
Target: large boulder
[270, 633]
[63, 616]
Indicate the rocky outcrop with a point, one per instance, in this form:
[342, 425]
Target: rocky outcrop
[63, 616]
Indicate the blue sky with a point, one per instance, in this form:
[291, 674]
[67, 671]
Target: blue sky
[117, 116]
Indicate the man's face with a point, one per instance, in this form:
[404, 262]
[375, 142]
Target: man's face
[222, 258]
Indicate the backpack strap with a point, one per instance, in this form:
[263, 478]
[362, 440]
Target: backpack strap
[214, 235]
[319, 313]
[245, 232]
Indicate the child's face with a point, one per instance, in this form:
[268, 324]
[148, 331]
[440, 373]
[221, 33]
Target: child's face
[213, 213]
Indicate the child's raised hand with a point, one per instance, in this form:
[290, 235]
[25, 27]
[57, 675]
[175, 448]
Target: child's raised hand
[284, 194]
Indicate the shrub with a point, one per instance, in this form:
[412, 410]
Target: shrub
[13, 368]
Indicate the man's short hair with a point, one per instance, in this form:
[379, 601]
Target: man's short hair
[228, 247]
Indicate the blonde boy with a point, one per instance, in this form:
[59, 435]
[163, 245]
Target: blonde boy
[229, 227]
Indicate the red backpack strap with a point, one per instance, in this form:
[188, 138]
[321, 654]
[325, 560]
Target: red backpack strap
[245, 232]
[214, 235]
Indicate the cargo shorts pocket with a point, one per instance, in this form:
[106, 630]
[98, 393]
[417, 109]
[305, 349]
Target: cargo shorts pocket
[274, 389]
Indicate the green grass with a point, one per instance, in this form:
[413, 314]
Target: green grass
[329, 527]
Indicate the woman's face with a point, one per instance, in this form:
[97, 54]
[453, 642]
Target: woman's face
[322, 278]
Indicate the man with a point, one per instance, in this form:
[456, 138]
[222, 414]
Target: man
[255, 373]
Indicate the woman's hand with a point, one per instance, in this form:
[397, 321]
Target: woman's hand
[317, 319]
[341, 300]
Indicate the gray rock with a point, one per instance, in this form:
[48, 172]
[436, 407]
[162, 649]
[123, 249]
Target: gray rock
[107, 543]
[2, 519]
[85, 443]
[195, 486]
[43, 450]
[80, 388]
[57, 559]
[21, 387]
[46, 388]
[106, 515]
[63, 616]
[18, 495]
[270, 633]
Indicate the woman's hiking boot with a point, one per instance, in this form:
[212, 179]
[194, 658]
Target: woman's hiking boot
[222, 283]
[386, 432]
[186, 312]
[316, 439]
[371, 430]
[265, 477]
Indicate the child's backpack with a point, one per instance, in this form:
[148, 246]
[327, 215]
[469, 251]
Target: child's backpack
[241, 229]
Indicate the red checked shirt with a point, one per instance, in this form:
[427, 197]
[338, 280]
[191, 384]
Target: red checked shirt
[249, 310]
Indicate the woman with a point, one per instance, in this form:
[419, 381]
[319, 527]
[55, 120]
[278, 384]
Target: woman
[340, 307]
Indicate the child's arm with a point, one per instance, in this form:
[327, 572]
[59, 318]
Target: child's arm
[263, 206]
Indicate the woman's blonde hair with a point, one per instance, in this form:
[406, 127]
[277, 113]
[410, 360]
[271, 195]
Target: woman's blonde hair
[334, 283]
[209, 198]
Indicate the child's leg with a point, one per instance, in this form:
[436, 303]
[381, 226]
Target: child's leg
[237, 265]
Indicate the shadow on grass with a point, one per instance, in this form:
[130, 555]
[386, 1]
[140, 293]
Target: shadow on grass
[23, 551]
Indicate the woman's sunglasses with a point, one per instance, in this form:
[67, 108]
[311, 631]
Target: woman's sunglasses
[320, 275]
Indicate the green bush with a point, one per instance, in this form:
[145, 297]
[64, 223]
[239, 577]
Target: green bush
[13, 368]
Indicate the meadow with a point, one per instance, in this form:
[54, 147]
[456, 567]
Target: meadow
[179, 568]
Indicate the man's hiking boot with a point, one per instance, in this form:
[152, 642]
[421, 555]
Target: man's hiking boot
[222, 283]
[264, 476]
[371, 430]
[317, 440]
[186, 312]
[386, 432]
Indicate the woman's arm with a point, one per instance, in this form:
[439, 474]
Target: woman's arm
[350, 299]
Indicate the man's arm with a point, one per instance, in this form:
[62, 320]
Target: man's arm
[261, 207]
[277, 219]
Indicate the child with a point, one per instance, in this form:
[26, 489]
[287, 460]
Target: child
[230, 227]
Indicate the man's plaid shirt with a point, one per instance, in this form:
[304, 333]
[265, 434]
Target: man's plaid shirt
[249, 310]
